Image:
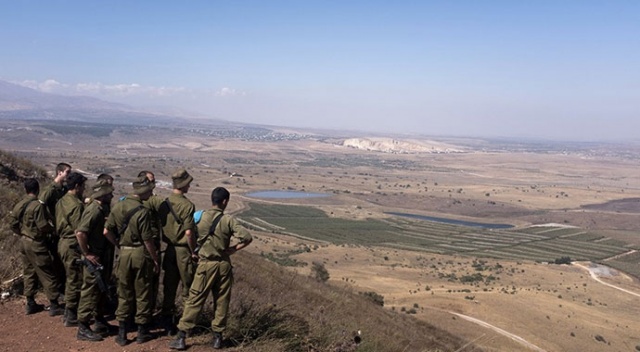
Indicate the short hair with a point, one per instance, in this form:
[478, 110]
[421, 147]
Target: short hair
[218, 195]
[61, 167]
[31, 186]
[146, 174]
[105, 177]
[75, 179]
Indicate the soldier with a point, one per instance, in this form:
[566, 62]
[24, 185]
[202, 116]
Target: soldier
[31, 220]
[50, 195]
[138, 260]
[176, 216]
[68, 213]
[214, 268]
[153, 204]
[95, 248]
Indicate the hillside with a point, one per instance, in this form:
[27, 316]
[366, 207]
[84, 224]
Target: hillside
[273, 309]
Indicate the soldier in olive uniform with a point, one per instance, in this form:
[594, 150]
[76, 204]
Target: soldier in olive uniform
[153, 204]
[138, 260]
[50, 196]
[95, 248]
[31, 220]
[68, 213]
[214, 273]
[179, 261]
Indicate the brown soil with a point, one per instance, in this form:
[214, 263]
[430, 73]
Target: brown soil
[40, 332]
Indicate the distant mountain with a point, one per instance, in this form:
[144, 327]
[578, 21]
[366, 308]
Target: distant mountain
[21, 103]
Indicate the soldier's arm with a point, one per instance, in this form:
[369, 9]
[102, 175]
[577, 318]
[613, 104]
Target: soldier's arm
[146, 234]
[42, 221]
[111, 237]
[239, 232]
[84, 247]
[14, 223]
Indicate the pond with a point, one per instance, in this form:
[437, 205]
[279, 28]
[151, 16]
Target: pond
[453, 222]
[275, 194]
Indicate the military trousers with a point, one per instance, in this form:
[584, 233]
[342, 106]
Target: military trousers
[93, 302]
[135, 277]
[37, 265]
[215, 277]
[178, 266]
[69, 254]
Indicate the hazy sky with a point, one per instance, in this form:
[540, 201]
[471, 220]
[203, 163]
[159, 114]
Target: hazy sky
[556, 69]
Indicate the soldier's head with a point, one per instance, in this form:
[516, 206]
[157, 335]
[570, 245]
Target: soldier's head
[31, 186]
[102, 191]
[62, 171]
[148, 174]
[106, 178]
[143, 187]
[220, 197]
[181, 180]
[75, 183]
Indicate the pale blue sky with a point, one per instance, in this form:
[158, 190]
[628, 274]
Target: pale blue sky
[549, 69]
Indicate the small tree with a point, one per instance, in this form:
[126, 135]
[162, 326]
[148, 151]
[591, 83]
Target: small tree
[319, 272]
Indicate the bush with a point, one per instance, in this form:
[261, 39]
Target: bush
[319, 272]
[562, 260]
[375, 297]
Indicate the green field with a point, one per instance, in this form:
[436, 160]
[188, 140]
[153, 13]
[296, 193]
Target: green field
[533, 243]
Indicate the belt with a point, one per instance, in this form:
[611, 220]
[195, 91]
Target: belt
[130, 247]
[178, 244]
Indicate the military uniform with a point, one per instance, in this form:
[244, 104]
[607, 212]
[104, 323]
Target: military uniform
[31, 220]
[50, 196]
[68, 214]
[177, 263]
[92, 301]
[135, 267]
[214, 272]
[153, 204]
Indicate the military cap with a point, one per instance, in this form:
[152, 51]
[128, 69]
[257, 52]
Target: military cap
[181, 178]
[101, 188]
[142, 185]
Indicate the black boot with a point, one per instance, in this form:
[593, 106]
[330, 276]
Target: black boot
[217, 340]
[121, 339]
[86, 334]
[32, 307]
[169, 325]
[102, 327]
[179, 342]
[71, 316]
[55, 308]
[144, 334]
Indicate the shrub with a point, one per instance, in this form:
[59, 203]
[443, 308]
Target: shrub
[375, 297]
[319, 272]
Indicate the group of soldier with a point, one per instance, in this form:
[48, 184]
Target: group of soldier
[73, 242]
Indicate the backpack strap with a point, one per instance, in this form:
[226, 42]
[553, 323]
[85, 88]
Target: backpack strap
[127, 218]
[173, 212]
[212, 229]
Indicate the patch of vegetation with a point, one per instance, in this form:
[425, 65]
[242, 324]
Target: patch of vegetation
[374, 297]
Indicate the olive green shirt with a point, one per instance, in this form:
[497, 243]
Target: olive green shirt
[68, 213]
[35, 223]
[139, 227]
[213, 246]
[184, 209]
[153, 204]
[50, 196]
[92, 223]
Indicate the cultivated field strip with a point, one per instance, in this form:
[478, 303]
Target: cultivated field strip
[534, 243]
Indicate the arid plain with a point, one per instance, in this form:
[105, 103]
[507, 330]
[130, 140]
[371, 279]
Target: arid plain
[529, 305]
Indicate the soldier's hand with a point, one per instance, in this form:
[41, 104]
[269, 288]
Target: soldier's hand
[156, 267]
[194, 257]
[93, 259]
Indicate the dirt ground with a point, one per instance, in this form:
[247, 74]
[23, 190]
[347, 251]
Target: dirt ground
[40, 332]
